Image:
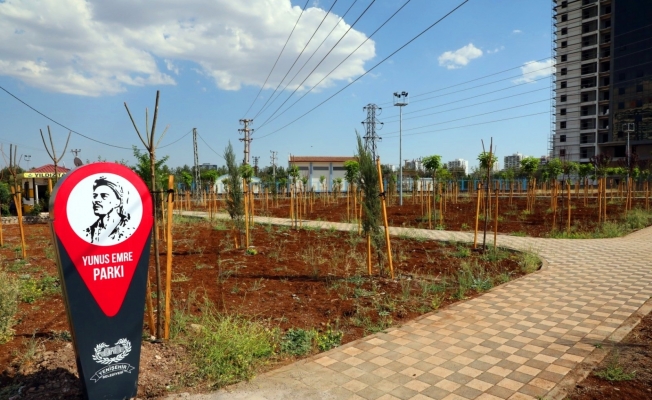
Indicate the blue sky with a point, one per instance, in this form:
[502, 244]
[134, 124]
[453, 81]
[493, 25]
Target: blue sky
[77, 61]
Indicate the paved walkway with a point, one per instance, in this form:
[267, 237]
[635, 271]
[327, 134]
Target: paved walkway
[526, 339]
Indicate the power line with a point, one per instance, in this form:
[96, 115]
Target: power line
[372, 68]
[61, 125]
[318, 64]
[319, 47]
[466, 126]
[270, 119]
[277, 58]
[297, 58]
[170, 144]
[207, 145]
[472, 116]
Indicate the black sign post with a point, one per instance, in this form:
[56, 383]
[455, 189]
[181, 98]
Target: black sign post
[101, 223]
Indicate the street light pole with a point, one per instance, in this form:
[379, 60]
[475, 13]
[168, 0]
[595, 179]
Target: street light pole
[400, 100]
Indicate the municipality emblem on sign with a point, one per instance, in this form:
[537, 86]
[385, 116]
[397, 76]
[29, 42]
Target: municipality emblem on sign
[103, 352]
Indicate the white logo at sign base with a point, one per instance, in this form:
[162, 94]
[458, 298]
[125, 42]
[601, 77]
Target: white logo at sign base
[105, 354]
[104, 209]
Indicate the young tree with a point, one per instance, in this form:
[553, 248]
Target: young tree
[432, 165]
[234, 201]
[487, 163]
[209, 176]
[368, 184]
[142, 168]
[352, 169]
[529, 167]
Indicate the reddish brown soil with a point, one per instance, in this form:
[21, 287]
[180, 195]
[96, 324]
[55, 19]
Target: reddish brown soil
[304, 279]
[460, 216]
[634, 353]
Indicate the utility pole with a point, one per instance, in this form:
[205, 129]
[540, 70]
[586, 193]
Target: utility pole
[256, 164]
[196, 155]
[370, 123]
[75, 152]
[247, 138]
[400, 100]
[273, 157]
[27, 157]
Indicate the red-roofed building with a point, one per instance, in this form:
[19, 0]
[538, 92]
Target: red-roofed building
[35, 184]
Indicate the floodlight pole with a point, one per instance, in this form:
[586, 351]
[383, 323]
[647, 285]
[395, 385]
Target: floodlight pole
[400, 100]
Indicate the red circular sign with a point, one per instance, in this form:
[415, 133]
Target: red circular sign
[102, 215]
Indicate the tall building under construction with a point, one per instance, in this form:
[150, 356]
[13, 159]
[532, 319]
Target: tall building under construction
[603, 79]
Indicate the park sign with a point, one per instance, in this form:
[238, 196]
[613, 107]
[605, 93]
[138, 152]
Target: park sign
[101, 222]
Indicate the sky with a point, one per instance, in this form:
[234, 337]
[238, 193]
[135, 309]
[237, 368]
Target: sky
[481, 73]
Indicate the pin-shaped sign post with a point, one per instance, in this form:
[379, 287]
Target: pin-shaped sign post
[101, 222]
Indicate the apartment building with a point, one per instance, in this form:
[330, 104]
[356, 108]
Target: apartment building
[458, 165]
[603, 98]
[513, 161]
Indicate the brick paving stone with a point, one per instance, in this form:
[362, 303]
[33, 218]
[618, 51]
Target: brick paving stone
[517, 341]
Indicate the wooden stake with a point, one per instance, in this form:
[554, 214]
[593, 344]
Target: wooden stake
[369, 254]
[150, 307]
[382, 198]
[568, 223]
[244, 183]
[496, 222]
[477, 216]
[168, 274]
[19, 210]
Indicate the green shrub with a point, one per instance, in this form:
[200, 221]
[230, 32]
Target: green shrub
[329, 339]
[614, 371]
[297, 341]
[229, 349]
[529, 262]
[9, 292]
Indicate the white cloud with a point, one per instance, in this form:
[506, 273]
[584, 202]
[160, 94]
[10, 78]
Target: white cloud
[496, 50]
[94, 47]
[171, 67]
[517, 31]
[460, 57]
[533, 70]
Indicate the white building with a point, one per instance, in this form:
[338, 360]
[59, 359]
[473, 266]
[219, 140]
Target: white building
[459, 165]
[513, 161]
[314, 167]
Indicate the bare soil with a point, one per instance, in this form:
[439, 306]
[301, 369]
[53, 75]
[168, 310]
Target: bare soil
[634, 354]
[300, 279]
[460, 215]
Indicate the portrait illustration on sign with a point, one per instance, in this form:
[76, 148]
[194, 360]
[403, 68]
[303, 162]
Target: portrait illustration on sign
[105, 209]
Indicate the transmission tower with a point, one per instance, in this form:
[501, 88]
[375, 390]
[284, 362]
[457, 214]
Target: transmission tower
[197, 175]
[256, 164]
[370, 124]
[247, 138]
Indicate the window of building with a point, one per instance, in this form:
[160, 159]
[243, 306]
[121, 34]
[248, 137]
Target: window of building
[564, 4]
[622, 76]
[564, 31]
[587, 152]
[639, 73]
[563, 84]
[562, 98]
[621, 105]
[564, 44]
[564, 17]
[621, 90]
[639, 88]
[562, 125]
[562, 138]
[639, 103]
[562, 152]
[564, 71]
[564, 57]
[562, 111]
